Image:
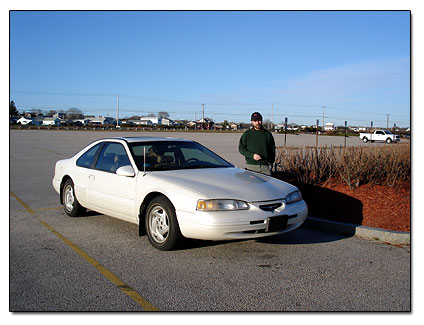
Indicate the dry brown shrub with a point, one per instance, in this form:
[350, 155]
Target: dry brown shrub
[383, 165]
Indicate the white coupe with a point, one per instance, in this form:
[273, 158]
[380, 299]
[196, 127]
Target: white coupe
[174, 188]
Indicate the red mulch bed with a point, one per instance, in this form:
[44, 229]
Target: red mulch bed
[369, 205]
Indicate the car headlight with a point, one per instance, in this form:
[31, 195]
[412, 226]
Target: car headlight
[221, 205]
[293, 197]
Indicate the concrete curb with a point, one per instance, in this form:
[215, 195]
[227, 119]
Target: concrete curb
[383, 235]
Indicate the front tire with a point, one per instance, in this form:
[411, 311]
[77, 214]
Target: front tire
[161, 224]
[70, 203]
[389, 141]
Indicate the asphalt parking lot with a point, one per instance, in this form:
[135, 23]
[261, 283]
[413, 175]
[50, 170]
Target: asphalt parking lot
[97, 263]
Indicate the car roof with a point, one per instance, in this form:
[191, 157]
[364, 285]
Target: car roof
[147, 139]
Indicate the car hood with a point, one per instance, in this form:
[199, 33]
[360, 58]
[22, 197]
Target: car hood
[226, 183]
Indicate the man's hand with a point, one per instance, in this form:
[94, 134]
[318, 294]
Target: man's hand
[257, 157]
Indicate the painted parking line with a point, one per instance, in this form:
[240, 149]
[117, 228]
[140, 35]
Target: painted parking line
[136, 297]
[50, 209]
[51, 151]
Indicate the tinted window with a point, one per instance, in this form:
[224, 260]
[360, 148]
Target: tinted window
[169, 155]
[112, 156]
[87, 159]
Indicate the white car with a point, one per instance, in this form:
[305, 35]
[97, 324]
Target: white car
[175, 188]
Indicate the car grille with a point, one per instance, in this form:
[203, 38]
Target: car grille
[270, 207]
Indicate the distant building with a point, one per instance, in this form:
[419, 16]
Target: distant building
[204, 124]
[154, 119]
[168, 122]
[102, 120]
[79, 121]
[51, 121]
[61, 116]
[144, 122]
[329, 126]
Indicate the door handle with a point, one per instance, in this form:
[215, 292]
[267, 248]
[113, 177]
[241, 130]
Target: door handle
[91, 177]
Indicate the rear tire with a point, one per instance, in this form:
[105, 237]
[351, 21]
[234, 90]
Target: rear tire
[161, 224]
[70, 203]
[365, 139]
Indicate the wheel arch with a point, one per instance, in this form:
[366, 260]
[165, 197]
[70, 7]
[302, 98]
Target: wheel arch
[142, 211]
[64, 179]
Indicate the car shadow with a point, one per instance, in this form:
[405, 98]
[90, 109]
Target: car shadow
[325, 204]
[328, 204]
[304, 235]
[91, 213]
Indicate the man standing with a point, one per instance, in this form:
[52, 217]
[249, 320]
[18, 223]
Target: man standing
[257, 145]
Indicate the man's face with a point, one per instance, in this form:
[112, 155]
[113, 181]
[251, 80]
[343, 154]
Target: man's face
[257, 123]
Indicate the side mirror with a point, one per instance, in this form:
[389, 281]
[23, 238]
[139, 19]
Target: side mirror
[127, 171]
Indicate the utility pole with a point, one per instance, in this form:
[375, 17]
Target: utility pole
[387, 127]
[394, 130]
[323, 108]
[317, 134]
[285, 131]
[203, 115]
[345, 134]
[117, 113]
[272, 117]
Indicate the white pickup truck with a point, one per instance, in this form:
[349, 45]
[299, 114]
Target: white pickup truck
[379, 135]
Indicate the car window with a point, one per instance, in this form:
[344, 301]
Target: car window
[194, 154]
[112, 156]
[171, 155]
[86, 160]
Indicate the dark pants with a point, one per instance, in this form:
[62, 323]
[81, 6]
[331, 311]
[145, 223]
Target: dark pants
[263, 169]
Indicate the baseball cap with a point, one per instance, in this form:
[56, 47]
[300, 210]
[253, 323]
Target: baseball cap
[256, 116]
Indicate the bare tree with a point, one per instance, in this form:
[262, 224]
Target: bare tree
[163, 114]
[50, 112]
[74, 113]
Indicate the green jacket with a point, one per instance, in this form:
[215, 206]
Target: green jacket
[260, 142]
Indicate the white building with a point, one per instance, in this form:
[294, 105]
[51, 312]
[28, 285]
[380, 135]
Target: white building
[154, 119]
[83, 121]
[329, 126]
[141, 122]
[62, 116]
[51, 121]
[168, 122]
[102, 120]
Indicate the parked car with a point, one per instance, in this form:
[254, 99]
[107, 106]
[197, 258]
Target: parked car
[379, 135]
[174, 188]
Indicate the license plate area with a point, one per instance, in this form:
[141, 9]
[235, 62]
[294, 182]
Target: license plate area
[276, 223]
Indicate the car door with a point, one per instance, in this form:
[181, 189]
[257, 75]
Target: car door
[379, 136]
[80, 178]
[108, 192]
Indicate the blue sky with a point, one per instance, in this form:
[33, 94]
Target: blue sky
[347, 65]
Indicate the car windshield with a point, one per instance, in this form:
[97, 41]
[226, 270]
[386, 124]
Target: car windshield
[172, 155]
[387, 132]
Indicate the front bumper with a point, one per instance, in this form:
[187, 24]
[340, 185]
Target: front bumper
[244, 224]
